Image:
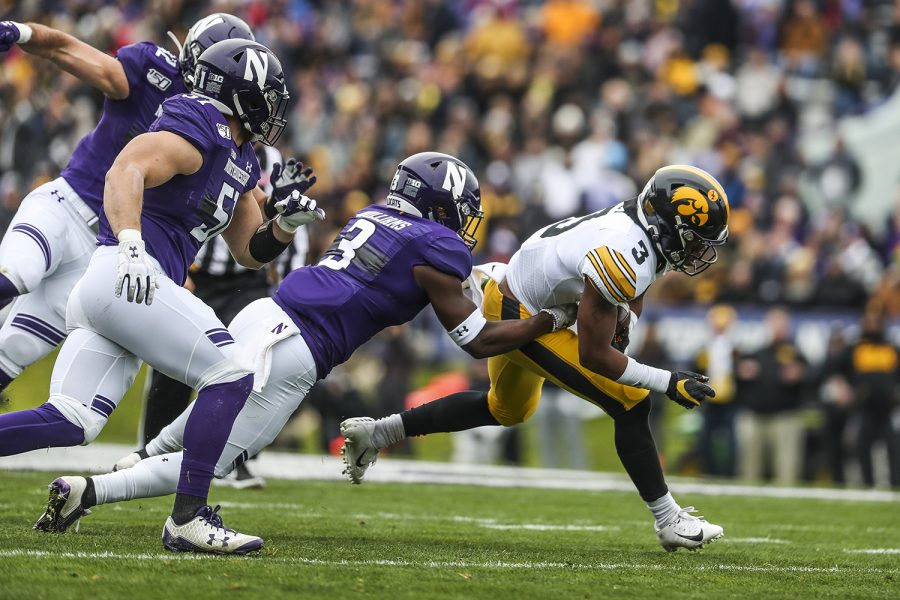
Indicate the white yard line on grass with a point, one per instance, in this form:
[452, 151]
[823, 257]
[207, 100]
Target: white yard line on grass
[872, 550]
[547, 527]
[755, 540]
[452, 564]
[98, 458]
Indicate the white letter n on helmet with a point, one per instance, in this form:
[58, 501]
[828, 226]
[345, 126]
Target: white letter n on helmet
[455, 180]
[257, 66]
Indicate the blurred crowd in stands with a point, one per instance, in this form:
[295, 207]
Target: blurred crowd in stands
[565, 107]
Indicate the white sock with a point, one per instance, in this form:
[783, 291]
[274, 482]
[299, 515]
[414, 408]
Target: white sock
[151, 477]
[388, 431]
[663, 509]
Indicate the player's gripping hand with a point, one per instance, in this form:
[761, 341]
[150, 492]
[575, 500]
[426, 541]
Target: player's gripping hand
[289, 178]
[563, 316]
[689, 389]
[136, 275]
[10, 33]
[297, 210]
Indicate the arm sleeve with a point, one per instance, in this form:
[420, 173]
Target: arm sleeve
[448, 255]
[186, 117]
[133, 59]
[611, 274]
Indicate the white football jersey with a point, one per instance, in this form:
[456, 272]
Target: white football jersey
[608, 247]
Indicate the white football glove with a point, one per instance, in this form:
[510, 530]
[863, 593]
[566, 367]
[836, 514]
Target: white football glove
[136, 272]
[563, 316]
[297, 210]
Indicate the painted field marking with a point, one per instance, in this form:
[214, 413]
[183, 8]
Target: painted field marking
[548, 527]
[755, 540]
[872, 550]
[450, 564]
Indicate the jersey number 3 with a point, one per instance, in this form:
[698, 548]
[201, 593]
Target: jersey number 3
[347, 245]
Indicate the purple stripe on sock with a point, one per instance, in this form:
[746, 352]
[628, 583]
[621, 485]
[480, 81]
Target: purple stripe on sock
[33, 331]
[44, 324]
[40, 427]
[35, 234]
[207, 431]
[8, 291]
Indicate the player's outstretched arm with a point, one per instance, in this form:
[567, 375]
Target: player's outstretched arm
[253, 242]
[70, 54]
[597, 323]
[467, 326]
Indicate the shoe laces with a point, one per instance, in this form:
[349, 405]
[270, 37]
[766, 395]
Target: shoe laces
[211, 515]
[687, 514]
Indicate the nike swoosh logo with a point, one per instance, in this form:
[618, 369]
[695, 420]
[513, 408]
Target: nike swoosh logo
[361, 464]
[693, 538]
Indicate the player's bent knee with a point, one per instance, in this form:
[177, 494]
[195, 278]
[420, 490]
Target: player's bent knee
[228, 371]
[19, 349]
[510, 415]
[91, 419]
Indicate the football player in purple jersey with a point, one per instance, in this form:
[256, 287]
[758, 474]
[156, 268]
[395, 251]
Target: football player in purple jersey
[189, 178]
[387, 264]
[53, 235]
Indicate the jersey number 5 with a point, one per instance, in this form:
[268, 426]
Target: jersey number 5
[347, 245]
[215, 217]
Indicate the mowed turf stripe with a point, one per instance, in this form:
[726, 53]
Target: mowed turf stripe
[450, 564]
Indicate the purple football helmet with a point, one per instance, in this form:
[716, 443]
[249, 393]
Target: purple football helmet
[440, 188]
[203, 34]
[244, 79]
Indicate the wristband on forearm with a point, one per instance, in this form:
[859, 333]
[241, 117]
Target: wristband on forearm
[644, 376]
[264, 246]
[25, 32]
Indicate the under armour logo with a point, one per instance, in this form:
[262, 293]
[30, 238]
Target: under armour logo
[249, 165]
[279, 328]
[212, 538]
[462, 330]
[134, 252]
[59, 197]
[165, 460]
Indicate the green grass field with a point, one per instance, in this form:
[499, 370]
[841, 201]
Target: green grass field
[330, 540]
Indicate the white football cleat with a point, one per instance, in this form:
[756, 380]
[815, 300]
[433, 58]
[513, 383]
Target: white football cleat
[206, 533]
[358, 451]
[126, 462]
[64, 505]
[684, 530]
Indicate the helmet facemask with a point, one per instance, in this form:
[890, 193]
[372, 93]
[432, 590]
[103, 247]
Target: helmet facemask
[697, 253]
[470, 218]
[262, 114]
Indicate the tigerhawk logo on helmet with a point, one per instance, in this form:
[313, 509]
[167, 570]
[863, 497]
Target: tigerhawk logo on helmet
[685, 212]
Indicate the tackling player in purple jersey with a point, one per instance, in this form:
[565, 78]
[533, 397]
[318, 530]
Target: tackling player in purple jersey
[386, 265]
[189, 178]
[50, 241]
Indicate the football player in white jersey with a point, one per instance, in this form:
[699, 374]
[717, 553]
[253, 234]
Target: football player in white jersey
[605, 261]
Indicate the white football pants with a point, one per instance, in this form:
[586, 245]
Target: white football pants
[44, 252]
[108, 337]
[292, 375]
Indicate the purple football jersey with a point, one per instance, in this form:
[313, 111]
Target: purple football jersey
[153, 76]
[181, 214]
[365, 283]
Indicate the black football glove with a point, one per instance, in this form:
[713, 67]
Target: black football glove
[689, 389]
[621, 340]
